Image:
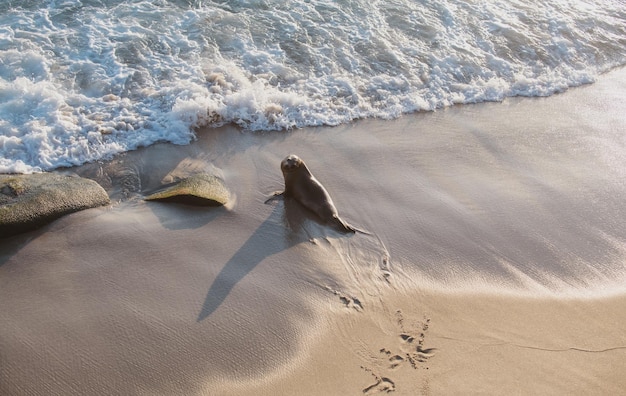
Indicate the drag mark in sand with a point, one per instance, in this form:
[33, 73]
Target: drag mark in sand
[348, 301]
[536, 348]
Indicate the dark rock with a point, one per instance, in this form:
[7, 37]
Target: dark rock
[28, 202]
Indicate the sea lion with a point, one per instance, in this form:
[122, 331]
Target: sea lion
[301, 185]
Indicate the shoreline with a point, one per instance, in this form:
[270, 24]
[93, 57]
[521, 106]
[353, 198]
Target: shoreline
[503, 221]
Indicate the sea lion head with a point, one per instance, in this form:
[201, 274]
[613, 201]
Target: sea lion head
[292, 164]
[295, 173]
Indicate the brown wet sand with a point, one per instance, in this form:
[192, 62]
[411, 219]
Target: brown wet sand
[496, 264]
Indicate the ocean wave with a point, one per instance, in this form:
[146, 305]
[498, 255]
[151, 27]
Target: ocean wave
[84, 80]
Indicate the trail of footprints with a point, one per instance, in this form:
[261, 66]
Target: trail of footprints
[410, 351]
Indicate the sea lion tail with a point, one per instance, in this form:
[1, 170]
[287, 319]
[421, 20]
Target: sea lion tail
[345, 227]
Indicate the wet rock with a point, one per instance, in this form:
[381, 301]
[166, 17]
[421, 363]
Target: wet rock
[202, 189]
[28, 202]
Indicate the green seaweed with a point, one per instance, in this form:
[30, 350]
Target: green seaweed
[13, 186]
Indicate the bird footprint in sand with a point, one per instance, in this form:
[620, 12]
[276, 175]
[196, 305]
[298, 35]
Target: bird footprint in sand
[410, 349]
[411, 345]
[382, 384]
[412, 342]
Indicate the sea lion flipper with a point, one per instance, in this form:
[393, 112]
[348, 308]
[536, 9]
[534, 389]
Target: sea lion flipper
[274, 196]
[348, 228]
[343, 226]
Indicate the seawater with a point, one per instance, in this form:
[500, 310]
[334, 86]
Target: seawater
[84, 80]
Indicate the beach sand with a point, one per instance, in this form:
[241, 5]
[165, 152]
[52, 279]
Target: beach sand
[496, 263]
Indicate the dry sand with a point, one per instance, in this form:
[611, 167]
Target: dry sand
[496, 264]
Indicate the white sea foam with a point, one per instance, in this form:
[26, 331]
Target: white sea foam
[84, 80]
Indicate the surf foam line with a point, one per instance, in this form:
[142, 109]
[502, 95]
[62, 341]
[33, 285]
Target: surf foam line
[84, 80]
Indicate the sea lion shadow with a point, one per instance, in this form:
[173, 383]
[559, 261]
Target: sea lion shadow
[268, 239]
[282, 230]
